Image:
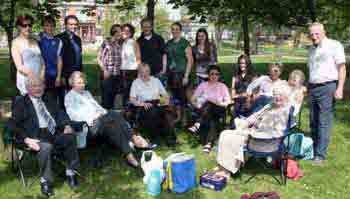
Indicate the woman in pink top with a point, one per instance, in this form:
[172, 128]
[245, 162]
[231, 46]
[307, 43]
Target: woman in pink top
[210, 100]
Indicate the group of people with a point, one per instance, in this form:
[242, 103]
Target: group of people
[51, 80]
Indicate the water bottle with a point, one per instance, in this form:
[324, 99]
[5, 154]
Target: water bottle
[154, 183]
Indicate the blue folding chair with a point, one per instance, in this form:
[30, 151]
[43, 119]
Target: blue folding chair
[277, 149]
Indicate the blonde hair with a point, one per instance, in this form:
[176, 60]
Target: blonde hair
[142, 67]
[317, 24]
[75, 75]
[297, 74]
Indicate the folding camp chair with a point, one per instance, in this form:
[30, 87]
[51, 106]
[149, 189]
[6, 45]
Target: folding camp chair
[276, 148]
[20, 152]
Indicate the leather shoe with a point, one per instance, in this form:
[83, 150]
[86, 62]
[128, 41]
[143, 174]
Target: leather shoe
[46, 189]
[72, 181]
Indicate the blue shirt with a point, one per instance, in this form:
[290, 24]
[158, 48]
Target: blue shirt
[51, 49]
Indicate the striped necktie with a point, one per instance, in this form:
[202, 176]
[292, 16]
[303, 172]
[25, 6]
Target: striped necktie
[51, 124]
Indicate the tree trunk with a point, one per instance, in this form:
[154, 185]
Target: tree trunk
[218, 34]
[246, 34]
[312, 8]
[151, 4]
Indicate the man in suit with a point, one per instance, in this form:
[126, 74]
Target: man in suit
[71, 48]
[43, 128]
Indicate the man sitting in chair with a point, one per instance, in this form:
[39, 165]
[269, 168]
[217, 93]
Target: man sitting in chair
[43, 128]
[269, 122]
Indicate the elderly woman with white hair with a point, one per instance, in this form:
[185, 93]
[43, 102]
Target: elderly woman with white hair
[81, 106]
[269, 122]
[151, 101]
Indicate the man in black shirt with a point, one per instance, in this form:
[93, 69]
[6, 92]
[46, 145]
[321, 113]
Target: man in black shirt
[152, 48]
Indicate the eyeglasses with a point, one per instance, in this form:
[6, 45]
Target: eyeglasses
[216, 74]
[26, 25]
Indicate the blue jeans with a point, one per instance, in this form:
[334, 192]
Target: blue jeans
[110, 87]
[321, 116]
[260, 102]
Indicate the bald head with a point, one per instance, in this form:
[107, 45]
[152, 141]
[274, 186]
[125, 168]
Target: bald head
[35, 87]
[317, 33]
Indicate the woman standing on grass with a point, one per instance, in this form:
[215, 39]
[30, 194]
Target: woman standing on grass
[204, 54]
[26, 54]
[179, 60]
[131, 59]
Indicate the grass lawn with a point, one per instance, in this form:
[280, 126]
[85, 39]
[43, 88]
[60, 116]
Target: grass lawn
[116, 180]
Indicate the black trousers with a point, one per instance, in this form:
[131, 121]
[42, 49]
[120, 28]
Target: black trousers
[209, 118]
[53, 93]
[158, 119]
[60, 143]
[128, 76]
[110, 87]
[116, 130]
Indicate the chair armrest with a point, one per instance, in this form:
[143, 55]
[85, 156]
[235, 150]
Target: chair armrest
[78, 126]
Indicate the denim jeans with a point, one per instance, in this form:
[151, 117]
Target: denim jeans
[260, 102]
[110, 87]
[321, 116]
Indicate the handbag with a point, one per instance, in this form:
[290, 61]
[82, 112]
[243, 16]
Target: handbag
[300, 146]
[180, 173]
[262, 195]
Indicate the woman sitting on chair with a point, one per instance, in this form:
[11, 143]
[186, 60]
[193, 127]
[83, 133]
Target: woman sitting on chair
[81, 106]
[269, 122]
[210, 100]
[244, 75]
[152, 103]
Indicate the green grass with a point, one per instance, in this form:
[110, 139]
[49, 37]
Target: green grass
[116, 180]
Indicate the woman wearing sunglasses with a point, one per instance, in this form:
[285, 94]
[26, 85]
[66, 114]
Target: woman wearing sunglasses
[26, 54]
[210, 100]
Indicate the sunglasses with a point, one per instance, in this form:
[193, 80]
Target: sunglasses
[26, 25]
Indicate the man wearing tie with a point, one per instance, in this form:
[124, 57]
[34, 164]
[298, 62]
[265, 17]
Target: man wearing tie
[43, 128]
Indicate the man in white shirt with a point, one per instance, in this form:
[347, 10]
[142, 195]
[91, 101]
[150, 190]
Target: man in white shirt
[327, 73]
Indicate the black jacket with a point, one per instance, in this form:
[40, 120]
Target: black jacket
[25, 123]
[68, 54]
[152, 52]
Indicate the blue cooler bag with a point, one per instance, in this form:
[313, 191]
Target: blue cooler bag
[180, 173]
[213, 181]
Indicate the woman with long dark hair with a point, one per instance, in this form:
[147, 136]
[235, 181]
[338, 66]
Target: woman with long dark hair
[204, 54]
[243, 76]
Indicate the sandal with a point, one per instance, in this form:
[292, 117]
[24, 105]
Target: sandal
[194, 128]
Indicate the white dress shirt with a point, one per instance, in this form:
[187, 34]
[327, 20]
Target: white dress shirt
[324, 60]
[42, 121]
